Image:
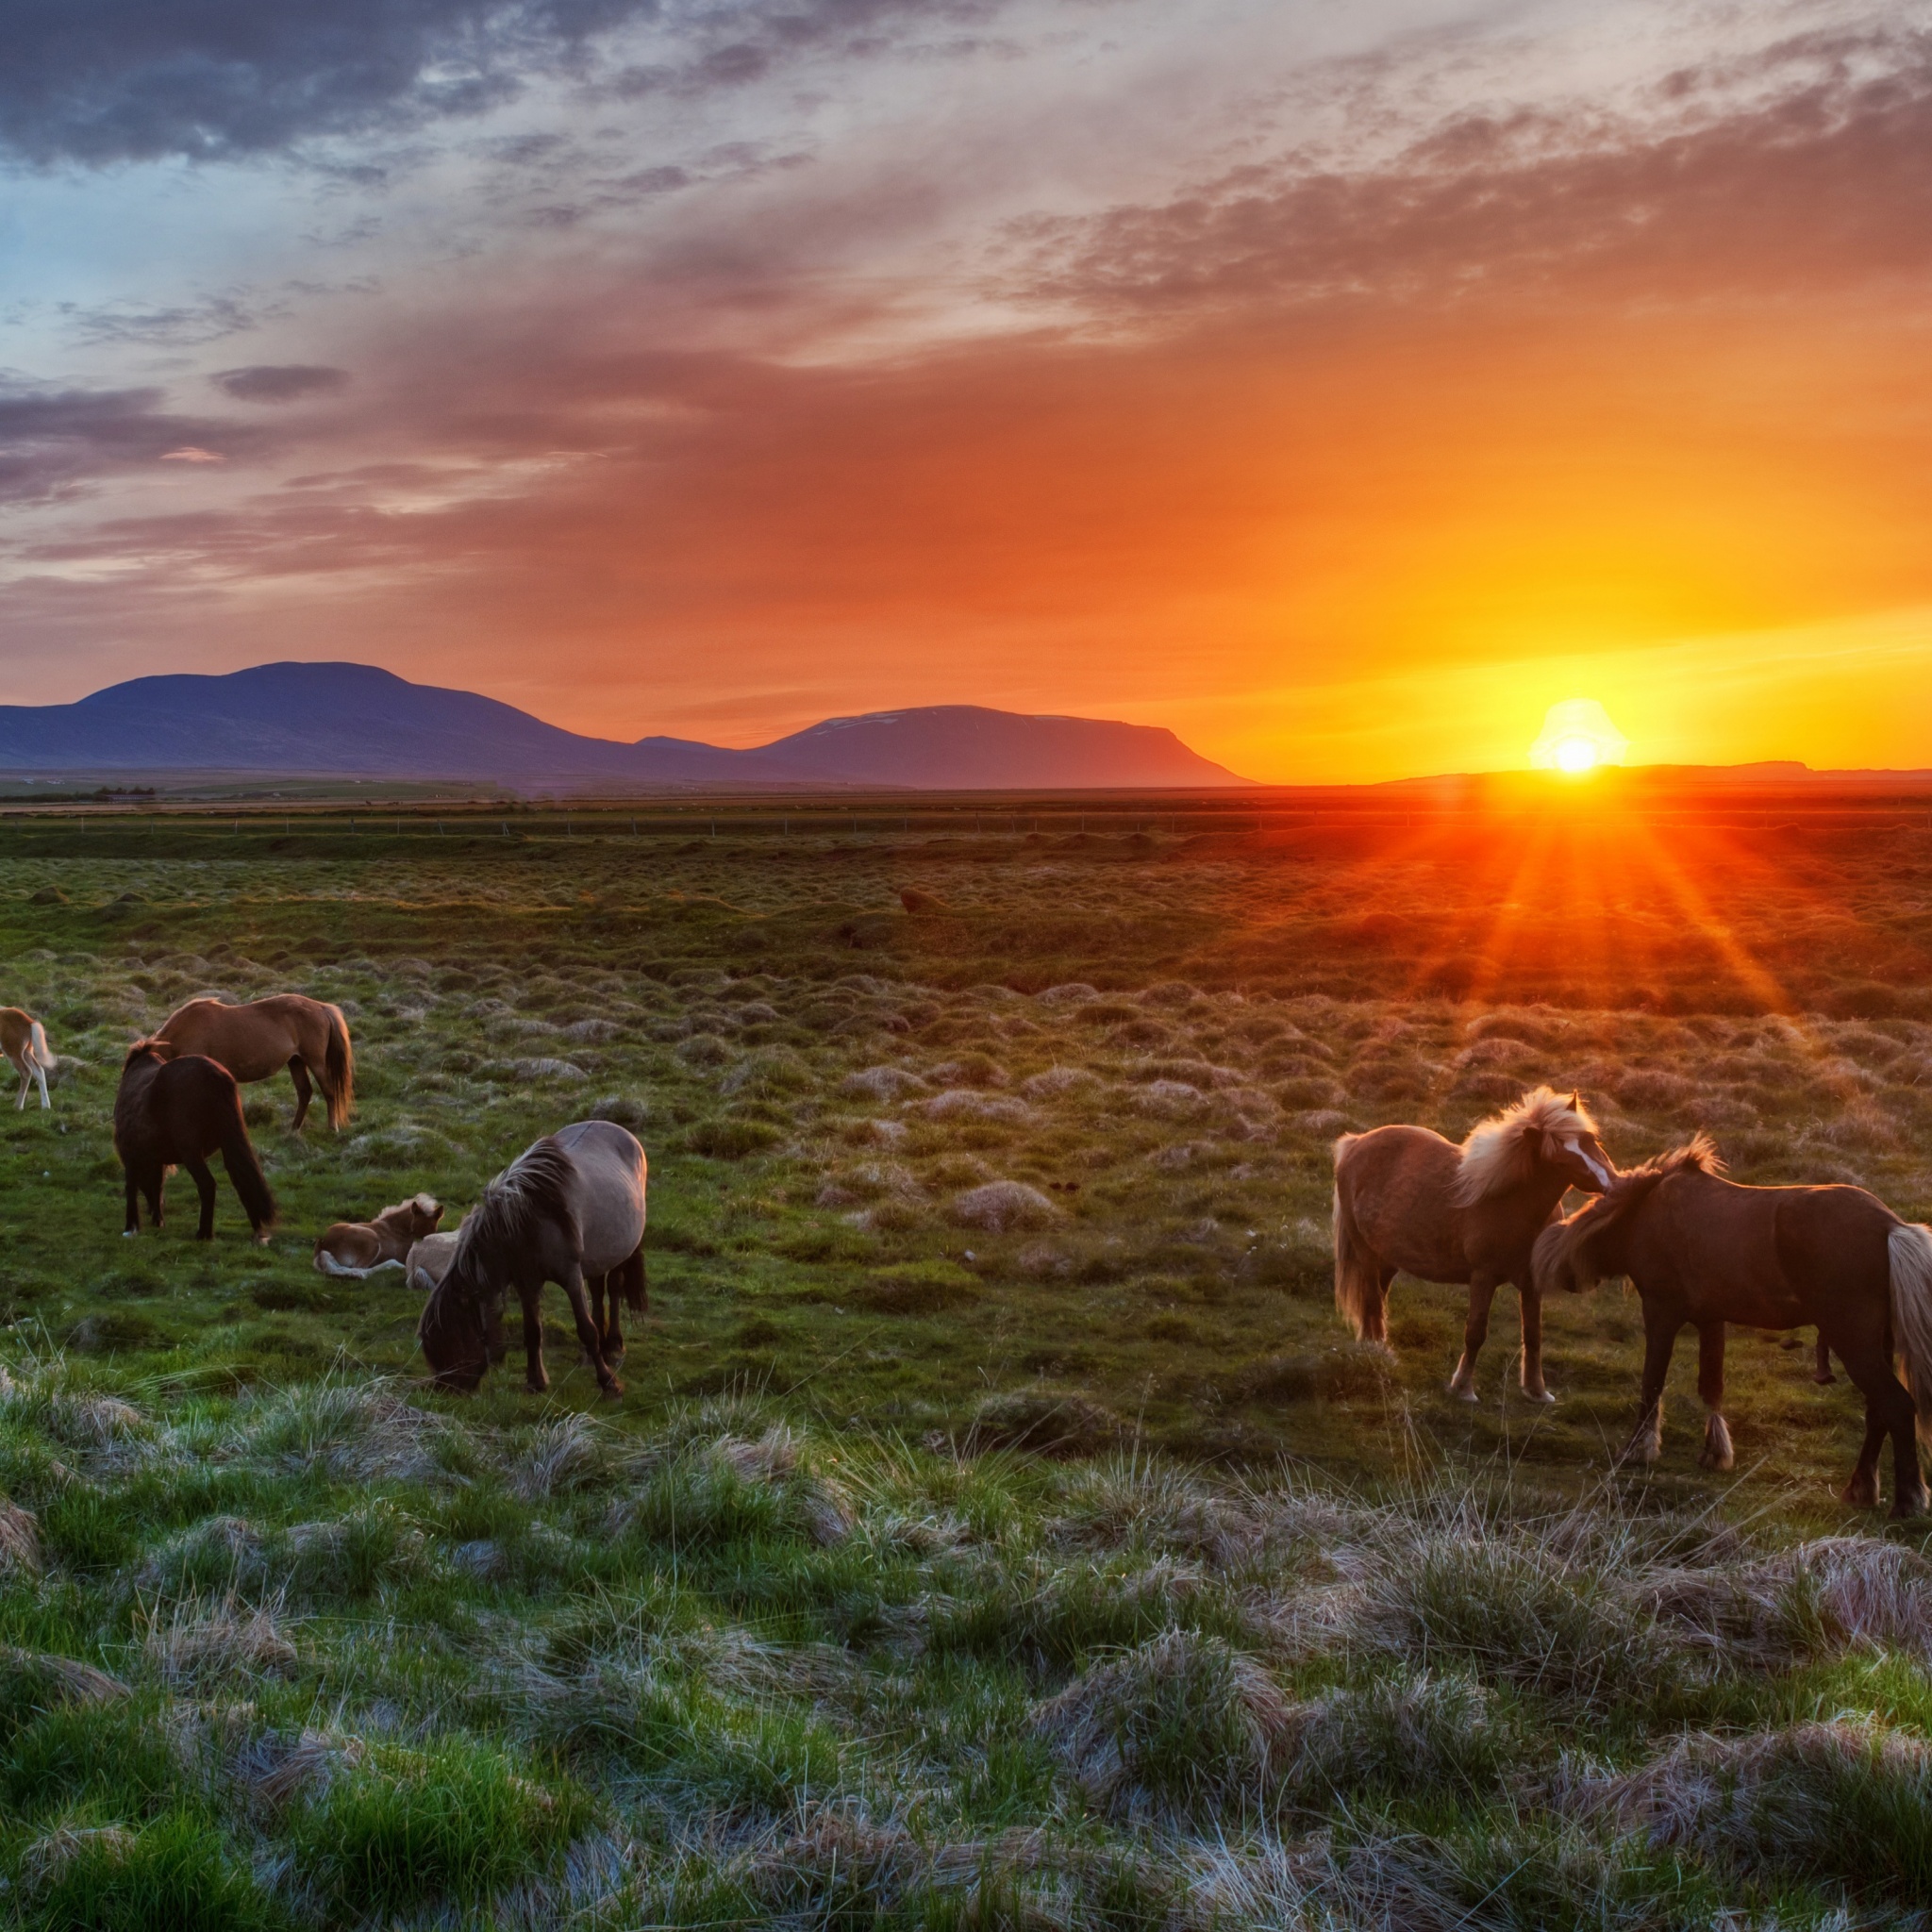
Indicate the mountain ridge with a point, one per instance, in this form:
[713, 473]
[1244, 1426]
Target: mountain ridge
[339, 718]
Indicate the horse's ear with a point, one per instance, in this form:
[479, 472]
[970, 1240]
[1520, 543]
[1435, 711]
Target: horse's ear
[1576, 1101]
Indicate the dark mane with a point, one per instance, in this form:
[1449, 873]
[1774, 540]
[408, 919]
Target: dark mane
[532, 1191]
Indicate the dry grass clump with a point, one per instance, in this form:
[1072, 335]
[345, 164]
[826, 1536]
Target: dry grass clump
[199, 1643]
[354, 1431]
[1509, 1603]
[44, 1677]
[1177, 1725]
[1052, 1421]
[1824, 1595]
[1845, 1800]
[998, 1207]
[568, 1452]
[20, 1541]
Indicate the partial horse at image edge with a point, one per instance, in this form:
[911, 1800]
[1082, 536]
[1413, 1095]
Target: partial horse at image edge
[1702, 1251]
[1407, 1200]
[258, 1039]
[23, 1040]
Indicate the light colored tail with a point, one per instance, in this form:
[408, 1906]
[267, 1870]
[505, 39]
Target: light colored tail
[1910, 1246]
[1357, 1275]
[340, 1070]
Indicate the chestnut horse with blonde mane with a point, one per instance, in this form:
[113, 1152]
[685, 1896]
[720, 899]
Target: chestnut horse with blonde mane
[1702, 1251]
[258, 1040]
[1407, 1200]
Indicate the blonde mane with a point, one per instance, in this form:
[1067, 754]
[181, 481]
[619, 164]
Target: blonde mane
[1501, 1151]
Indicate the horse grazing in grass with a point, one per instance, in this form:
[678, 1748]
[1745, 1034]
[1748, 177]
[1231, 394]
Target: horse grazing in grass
[1704, 1251]
[569, 1208]
[173, 1111]
[258, 1040]
[23, 1040]
[357, 1248]
[1405, 1199]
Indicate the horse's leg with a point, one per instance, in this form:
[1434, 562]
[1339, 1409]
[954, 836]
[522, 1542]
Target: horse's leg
[581, 1307]
[593, 1293]
[203, 1177]
[40, 1075]
[155, 1188]
[1661, 1328]
[1821, 1372]
[1482, 1292]
[535, 1376]
[299, 1074]
[1717, 1452]
[1861, 1489]
[1532, 1303]
[613, 1319]
[132, 1225]
[1888, 1410]
[27, 1080]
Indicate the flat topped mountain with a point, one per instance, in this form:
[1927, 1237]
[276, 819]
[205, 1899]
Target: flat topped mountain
[358, 721]
[936, 746]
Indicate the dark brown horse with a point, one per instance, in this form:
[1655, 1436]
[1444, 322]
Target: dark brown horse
[1406, 1199]
[172, 1112]
[1702, 1251]
[569, 1208]
[258, 1040]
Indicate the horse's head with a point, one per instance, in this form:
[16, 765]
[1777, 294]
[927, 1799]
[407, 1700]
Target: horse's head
[152, 1048]
[415, 1217]
[1571, 1147]
[454, 1330]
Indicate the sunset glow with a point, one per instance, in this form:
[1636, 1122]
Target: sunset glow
[708, 372]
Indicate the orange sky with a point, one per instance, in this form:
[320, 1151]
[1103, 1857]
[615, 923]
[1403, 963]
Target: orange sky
[1345, 441]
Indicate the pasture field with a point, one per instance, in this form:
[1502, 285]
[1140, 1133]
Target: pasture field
[998, 1528]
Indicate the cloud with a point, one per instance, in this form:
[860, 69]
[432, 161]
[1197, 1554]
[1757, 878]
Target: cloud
[105, 82]
[1801, 166]
[279, 382]
[58, 443]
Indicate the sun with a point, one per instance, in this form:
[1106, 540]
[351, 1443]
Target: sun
[1577, 737]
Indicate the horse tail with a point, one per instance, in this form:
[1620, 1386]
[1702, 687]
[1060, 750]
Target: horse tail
[1910, 1248]
[1358, 1293]
[244, 1168]
[631, 1283]
[340, 1085]
[38, 1049]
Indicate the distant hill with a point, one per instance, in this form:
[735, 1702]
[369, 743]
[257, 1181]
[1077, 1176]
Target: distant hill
[966, 747]
[356, 720]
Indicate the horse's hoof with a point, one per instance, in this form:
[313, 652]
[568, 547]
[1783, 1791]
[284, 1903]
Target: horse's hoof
[1906, 1507]
[1462, 1392]
[613, 1387]
[127, 1234]
[1861, 1494]
[541, 1388]
[1537, 1396]
[1706, 1459]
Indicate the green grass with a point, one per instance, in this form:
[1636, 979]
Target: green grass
[997, 1527]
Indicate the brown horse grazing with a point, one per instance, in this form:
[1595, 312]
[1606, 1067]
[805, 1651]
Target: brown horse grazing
[174, 1112]
[569, 1209]
[1704, 1251]
[1406, 1199]
[23, 1040]
[257, 1041]
[357, 1248]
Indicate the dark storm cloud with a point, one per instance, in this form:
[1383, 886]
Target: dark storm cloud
[100, 81]
[278, 382]
[1822, 176]
[55, 442]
